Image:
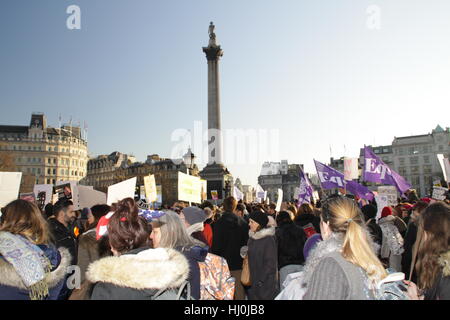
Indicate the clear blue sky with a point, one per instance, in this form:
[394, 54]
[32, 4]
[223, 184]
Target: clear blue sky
[312, 69]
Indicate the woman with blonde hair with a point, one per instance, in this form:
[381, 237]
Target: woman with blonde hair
[31, 268]
[344, 265]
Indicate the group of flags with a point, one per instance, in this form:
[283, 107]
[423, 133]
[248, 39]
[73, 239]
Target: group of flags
[375, 170]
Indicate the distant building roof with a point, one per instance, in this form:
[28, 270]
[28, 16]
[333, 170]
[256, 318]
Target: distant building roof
[13, 129]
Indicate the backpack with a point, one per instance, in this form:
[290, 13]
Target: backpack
[392, 287]
[172, 294]
[216, 282]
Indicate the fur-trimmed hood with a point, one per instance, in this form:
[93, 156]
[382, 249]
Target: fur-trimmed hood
[9, 276]
[266, 232]
[444, 261]
[149, 269]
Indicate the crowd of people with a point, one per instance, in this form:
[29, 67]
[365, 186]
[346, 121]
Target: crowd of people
[341, 248]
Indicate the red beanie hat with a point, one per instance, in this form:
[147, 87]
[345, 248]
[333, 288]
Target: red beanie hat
[387, 211]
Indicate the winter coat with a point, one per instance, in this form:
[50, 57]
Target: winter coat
[328, 276]
[441, 288]
[305, 218]
[62, 237]
[88, 251]
[409, 241]
[290, 242]
[194, 255]
[137, 275]
[392, 240]
[230, 233]
[375, 231]
[12, 286]
[263, 265]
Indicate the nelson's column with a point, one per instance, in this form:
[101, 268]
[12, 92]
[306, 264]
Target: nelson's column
[217, 175]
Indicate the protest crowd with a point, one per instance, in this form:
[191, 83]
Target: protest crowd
[344, 246]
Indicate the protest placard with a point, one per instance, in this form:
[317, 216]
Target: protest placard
[150, 188]
[68, 190]
[9, 187]
[351, 170]
[382, 201]
[439, 193]
[390, 192]
[121, 190]
[43, 194]
[204, 189]
[28, 197]
[189, 188]
[279, 200]
[89, 197]
[214, 195]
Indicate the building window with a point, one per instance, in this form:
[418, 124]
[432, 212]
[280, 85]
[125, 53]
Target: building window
[401, 151]
[402, 171]
[401, 161]
[427, 169]
[49, 171]
[441, 148]
[385, 150]
[54, 171]
[54, 160]
[426, 159]
[414, 160]
[415, 170]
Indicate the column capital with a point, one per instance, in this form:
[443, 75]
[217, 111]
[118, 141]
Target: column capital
[213, 53]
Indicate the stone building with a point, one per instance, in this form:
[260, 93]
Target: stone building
[107, 170]
[45, 153]
[280, 175]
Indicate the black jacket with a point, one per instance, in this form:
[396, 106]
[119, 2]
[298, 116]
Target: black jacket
[375, 231]
[263, 265]
[290, 241]
[408, 244]
[230, 233]
[136, 277]
[305, 218]
[62, 237]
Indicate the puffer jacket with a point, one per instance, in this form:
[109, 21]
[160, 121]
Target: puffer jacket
[12, 286]
[392, 239]
[137, 275]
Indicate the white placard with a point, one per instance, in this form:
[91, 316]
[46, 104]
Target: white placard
[279, 200]
[74, 189]
[189, 188]
[351, 168]
[121, 190]
[9, 187]
[89, 197]
[237, 194]
[439, 193]
[150, 188]
[43, 194]
[382, 201]
[390, 192]
[445, 166]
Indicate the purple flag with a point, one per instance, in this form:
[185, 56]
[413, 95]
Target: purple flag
[331, 178]
[306, 189]
[375, 170]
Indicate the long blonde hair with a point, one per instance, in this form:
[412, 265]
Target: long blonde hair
[346, 218]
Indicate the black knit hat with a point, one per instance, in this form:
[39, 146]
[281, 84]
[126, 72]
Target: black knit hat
[369, 211]
[259, 217]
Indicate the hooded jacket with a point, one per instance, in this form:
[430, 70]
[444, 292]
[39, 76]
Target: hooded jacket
[263, 264]
[305, 218]
[290, 242]
[137, 275]
[194, 255]
[12, 286]
[230, 233]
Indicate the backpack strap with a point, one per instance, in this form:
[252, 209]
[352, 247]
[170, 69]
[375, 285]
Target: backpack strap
[186, 285]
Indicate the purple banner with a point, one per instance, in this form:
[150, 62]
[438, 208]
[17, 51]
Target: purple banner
[306, 189]
[331, 178]
[375, 170]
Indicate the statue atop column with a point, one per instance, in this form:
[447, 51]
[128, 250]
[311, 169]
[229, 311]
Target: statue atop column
[212, 35]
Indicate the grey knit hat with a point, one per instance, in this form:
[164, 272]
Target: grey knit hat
[194, 215]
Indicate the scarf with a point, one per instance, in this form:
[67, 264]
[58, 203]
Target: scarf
[28, 261]
[196, 227]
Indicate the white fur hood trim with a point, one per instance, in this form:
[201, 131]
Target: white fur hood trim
[266, 232]
[149, 269]
[9, 276]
